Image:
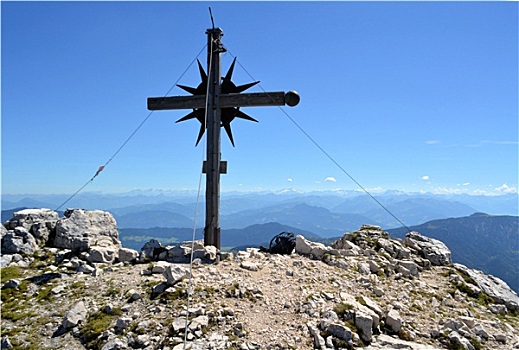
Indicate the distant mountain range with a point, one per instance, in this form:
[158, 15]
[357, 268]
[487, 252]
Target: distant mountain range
[480, 241]
[327, 214]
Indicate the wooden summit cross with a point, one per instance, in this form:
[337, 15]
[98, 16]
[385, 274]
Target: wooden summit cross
[222, 99]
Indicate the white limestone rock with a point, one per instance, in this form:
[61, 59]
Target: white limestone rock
[393, 321]
[431, 249]
[460, 342]
[102, 254]
[249, 265]
[319, 342]
[127, 255]
[27, 217]
[364, 324]
[75, 315]
[79, 230]
[19, 241]
[492, 286]
[5, 260]
[306, 247]
[175, 273]
[410, 266]
[386, 342]
[159, 267]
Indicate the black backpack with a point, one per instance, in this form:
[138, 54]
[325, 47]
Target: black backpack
[283, 243]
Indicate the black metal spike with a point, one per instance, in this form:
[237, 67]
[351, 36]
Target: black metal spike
[244, 87]
[228, 76]
[203, 76]
[191, 90]
[228, 130]
[194, 114]
[242, 115]
[200, 133]
[201, 118]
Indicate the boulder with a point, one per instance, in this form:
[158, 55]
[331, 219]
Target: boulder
[319, 342]
[174, 274]
[151, 250]
[431, 249]
[497, 309]
[5, 259]
[305, 247]
[494, 287]
[364, 324]
[28, 217]
[340, 331]
[105, 255]
[114, 344]
[370, 304]
[13, 283]
[393, 321]
[364, 267]
[345, 246]
[178, 254]
[79, 230]
[207, 253]
[159, 267]
[384, 341]
[19, 241]
[127, 255]
[409, 266]
[75, 315]
[459, 342]
[365, 307]
[249, 265]
[196, 245]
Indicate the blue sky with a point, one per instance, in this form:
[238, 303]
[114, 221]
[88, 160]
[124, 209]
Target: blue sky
[404, 96]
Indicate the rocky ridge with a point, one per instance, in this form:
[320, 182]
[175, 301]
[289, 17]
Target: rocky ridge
[68, 284]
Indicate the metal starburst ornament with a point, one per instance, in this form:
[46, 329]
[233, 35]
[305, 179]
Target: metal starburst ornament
[227, 114]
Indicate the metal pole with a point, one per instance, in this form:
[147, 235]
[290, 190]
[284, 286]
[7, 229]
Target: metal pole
[212, 169]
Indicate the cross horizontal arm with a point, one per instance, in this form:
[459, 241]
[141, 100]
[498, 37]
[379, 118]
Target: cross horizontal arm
[225, 101]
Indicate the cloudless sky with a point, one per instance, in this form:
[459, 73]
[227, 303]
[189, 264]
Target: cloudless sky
[413, 96]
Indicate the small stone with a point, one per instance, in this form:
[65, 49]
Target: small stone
[14, 283]
[75, 315]
[58, 289]
[339, 331]
[122, 323]
[501, 338]
[160, 267]
[178, 325]
[247, 265]
[393, 321]
[497, 309]
[175, 274]
[133, 295]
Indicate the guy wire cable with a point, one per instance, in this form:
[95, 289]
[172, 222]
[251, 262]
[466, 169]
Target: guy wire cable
[327, 154]
[102, 167]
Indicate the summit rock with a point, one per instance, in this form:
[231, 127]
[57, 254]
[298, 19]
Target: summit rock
[366, 290]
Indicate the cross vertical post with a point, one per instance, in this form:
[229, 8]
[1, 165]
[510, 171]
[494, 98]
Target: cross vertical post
[212, 164]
